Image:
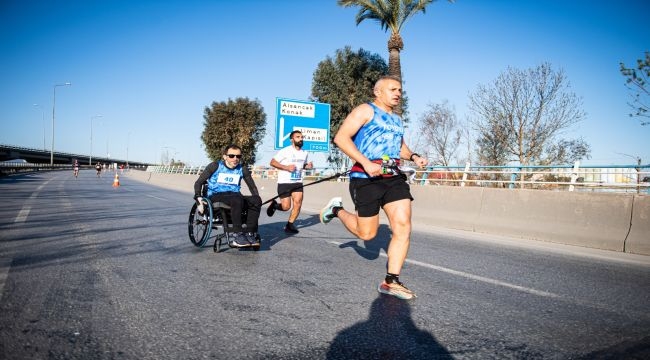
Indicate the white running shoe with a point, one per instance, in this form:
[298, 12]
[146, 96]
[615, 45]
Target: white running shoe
[326, 215]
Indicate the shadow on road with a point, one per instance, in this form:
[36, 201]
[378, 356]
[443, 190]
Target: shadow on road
[389, 333]
[371, 249]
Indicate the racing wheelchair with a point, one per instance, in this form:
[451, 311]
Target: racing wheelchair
[215, 216]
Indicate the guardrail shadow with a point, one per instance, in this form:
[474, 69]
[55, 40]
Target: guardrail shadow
[389, 333]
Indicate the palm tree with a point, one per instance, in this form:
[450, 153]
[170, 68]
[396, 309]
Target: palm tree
[391, 14]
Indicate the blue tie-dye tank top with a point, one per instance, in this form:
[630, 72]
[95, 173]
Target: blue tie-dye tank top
[380, 136]
[225, 179]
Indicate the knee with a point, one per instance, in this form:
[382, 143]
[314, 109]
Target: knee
[366, 234]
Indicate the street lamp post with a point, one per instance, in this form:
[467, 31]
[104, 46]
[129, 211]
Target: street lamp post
[53, 112]
[167, 153]
[128, 138]
[90, 160]
[43, 119]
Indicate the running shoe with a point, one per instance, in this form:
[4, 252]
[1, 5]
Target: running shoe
[253, 239]
[271, 210]
[396, 289]
[326, 215]
[291, 228]
[239, 240]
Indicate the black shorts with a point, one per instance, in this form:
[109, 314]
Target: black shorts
[285, 190]
[369, 195]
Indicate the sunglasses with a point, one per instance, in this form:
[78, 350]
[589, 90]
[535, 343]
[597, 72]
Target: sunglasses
[233, 156]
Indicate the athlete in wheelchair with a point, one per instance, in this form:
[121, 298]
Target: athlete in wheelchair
[221, 205]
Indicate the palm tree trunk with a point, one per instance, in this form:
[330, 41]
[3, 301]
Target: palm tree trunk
[395, 45]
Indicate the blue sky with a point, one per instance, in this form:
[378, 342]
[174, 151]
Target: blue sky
[151, 67]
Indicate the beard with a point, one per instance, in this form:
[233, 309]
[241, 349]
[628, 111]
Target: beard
[299, 143]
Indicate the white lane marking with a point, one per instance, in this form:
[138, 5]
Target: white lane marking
[155, 197]
[473, 277]
[24, 212]
[5, 265]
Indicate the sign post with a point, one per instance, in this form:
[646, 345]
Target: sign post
[311, 118]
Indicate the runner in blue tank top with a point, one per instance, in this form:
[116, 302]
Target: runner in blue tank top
[368, 134]
[378, 138]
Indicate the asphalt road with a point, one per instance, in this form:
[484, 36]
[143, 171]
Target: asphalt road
[89, 271]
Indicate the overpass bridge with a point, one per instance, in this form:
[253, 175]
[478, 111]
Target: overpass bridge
[38, 156]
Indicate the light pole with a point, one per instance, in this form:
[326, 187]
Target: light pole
[53, 111]
[43, 114]
[167, 154]
[90, 160]
[128, 138]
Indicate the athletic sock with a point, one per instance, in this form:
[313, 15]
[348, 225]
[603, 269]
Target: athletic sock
[335, 211]
[391, 278]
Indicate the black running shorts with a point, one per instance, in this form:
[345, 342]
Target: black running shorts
[369, 195]
[285, 190]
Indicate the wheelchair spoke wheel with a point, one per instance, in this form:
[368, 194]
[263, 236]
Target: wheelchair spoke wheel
[199, 224]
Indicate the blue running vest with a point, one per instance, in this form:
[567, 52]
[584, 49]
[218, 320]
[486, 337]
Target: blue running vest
[380, 136]
[225, 179]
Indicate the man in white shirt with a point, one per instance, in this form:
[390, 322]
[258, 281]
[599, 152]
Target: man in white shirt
[290, 161]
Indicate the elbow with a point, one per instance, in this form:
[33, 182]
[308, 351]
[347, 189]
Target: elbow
[337, 141]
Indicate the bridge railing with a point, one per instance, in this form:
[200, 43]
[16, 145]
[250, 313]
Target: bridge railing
[12, 167]
[596, 178]
[169, 169]
[617, 178]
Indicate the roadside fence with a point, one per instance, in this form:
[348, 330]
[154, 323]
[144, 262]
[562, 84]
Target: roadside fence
[592, 178]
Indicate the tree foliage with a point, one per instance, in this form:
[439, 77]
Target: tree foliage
[521, 115]
[566, 152]
[391, 15]
[637, 82]
[439, 128]
[491, 143]
[241, 122]
[345, 81]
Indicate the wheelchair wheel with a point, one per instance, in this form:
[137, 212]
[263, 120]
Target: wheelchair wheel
[199, 225]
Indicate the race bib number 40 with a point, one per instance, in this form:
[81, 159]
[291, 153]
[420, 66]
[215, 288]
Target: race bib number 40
[229, 179]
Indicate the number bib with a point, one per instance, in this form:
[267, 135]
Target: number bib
[297, 175]
[228, 178]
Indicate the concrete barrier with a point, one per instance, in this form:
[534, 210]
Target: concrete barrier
[585, 219]
[618, 222]
[447, 206]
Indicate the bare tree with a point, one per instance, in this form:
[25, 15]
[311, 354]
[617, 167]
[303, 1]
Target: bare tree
[637, 82]
[566, 152]
[440, 129]
[522, 112]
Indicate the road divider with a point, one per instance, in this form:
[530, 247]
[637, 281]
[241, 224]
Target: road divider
[617, 222]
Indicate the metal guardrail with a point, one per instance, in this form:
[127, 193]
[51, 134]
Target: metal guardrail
[596, 178]
[616, 178]
[169, 169]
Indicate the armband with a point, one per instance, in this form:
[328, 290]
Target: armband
[414, 154]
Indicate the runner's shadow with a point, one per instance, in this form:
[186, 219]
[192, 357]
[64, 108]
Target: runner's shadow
[389, 333]
[311, 220]
[371, 249]
[273, 233]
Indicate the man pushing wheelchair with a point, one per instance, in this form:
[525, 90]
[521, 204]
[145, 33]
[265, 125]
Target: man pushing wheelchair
[223, 179]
